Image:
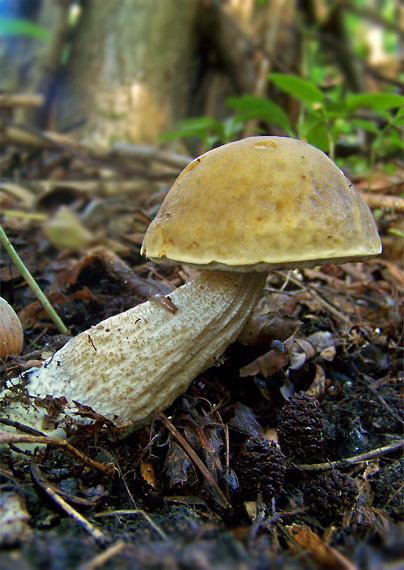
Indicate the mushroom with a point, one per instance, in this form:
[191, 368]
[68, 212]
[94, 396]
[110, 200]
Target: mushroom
[11, 333]
[235, 212]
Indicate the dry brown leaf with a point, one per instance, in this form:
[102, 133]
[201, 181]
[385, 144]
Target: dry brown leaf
[65, 230]
[271, 362]
[148, 474]
[302, 351]
[303, 538]
[261, 330]
[318, 386]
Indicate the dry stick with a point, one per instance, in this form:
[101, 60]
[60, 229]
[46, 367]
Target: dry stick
[32, 283]
[16, 438]
[68, 509]
[218, 493]
[99, 560]
[22, 134]
[329, 306]
[130, 512]
[383, 201]
[22, 100]
[353, 460]
[135, 510]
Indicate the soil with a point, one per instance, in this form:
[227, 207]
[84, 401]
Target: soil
[297, 433]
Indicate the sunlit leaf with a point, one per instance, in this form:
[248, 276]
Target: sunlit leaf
[297, 87]
[396, 231]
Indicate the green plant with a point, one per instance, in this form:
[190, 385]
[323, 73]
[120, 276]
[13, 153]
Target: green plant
[324, 119]
[31, 282]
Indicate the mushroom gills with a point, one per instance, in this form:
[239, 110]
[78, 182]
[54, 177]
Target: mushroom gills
[131, 365]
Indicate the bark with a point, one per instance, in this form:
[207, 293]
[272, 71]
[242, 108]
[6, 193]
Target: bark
[128, 76]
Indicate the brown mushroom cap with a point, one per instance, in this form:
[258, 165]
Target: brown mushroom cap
[262, 203]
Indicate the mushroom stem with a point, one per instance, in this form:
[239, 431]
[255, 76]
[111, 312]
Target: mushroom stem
[133, 364]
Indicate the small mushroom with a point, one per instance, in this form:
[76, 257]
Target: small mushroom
[11, 334]
[235, 212]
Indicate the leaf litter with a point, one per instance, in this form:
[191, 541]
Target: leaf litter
[287, 452]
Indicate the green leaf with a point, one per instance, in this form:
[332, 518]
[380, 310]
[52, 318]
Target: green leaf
[318, 136]
[197, 127]
[389, 141]
[18, 27]
[335, 109]
[368, 126]
[297, 87]
[231, 127]
[253, 107]
[399, 118]
[375, 101]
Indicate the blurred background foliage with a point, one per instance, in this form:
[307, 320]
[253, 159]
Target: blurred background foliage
[192, 74]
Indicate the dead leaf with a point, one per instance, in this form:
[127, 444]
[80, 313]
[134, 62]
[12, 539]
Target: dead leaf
[261, 330]
[244, 421]
[303, 538]
[302, 351]
[269, 363]
[148, 474]
[318, 386]
[178, 467]
[64, 230]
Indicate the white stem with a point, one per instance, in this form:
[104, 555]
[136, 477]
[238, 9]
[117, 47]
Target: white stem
[133, 364]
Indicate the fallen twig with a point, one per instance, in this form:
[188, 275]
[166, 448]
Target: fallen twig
[16, 438]
[130, 512]
[68, 509]
[353, 460]
[21, 100]
[382, 201]
[216, 490]
[99, 560]
[32, 283]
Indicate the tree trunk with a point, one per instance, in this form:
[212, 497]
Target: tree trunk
[129, 72]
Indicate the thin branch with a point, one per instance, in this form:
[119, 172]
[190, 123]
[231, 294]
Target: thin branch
[382, 201]
[12, 438]
[353, 460]
[99, 560]
[130, 512]
[217, 492]
[21, 100]
[40, 480]
[32, 283]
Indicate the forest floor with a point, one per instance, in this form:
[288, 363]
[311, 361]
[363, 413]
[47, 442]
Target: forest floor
[286, 454]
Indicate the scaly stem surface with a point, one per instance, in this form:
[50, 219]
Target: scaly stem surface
[136, 363]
